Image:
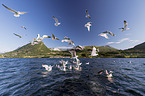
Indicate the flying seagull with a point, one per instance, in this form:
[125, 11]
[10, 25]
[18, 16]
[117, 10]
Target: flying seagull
[79, 47]
[73, 54]
[104, 34]
[87, 14]
[34, 42]
[66, 39]
[41, 38]
[23, 27]
[53, 37]
[17, 35]
[57, 23]
[88, 25]
[109, 75]
[94, 52]
[17, 13]
[125, 26]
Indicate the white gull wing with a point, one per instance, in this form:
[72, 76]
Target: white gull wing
[94, 52]
[104, 35]
[45, 36]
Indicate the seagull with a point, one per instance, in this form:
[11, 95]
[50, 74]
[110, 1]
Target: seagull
[73, 54]
[53, 37]
[48, 68]
[104, 34]
[87, 14]
[125, 26]
[109, 75]
[88, 25]
[17, 35]
[57, 23]
[17, 13]
[34, 42]
[23, 27]
[66, 39]
[94, 52]
[87, 63]
[79, 47]
[41, 38]
[78, 62]
[63, 62]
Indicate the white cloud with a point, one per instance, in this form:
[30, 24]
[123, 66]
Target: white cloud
[65, 47]
[122, 40]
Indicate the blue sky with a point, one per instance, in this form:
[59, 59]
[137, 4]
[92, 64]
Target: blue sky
[105, 15]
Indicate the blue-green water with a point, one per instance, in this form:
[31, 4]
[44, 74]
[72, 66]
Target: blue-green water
[27, 77]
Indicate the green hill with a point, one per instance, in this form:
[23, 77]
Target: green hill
[26, 51]
[41, 51]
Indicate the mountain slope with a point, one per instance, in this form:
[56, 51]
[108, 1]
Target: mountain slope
[28, 50]
[139, 48]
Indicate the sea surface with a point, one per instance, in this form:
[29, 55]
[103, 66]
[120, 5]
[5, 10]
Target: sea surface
[27, 77]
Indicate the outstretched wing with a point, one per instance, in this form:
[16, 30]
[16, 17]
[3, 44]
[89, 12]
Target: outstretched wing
[45, 36]
[17, 35]
[104, 35]
[111, 33]
[9, 9]
[22, 12]
[87, 12]
[125, 24]
[53, 36]
[56, 38]
[55, 19]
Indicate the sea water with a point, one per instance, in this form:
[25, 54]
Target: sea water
[27, 77]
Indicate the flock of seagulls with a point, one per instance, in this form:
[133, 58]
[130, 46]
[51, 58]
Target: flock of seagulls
[64, 64]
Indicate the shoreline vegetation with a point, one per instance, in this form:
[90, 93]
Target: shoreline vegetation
[41, 51]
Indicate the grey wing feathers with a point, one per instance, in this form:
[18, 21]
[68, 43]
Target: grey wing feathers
[9, 9]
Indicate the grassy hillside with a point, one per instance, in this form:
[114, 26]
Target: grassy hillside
[41, 51]
[28, 51]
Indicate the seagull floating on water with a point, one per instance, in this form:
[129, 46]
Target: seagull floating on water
[109, 75]
[104, 34]
[87, 63]
[125, 26]
[66, 39]
[17, 35]
[17, 13]
[87, 14]
[48, 68]
[88, 25]
[57, 23]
